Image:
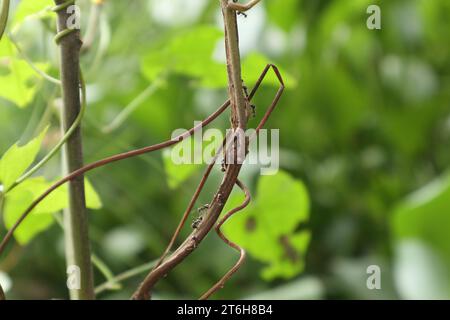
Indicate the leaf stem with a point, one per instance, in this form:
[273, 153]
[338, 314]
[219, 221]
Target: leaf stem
[31, 63]
[4, 17]
[132, 106]
[61, 142]
[108, 285]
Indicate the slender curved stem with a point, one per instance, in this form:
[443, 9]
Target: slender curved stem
[108, 285]
[132, 106]
[220, 284]
[31, 63]
[61, 142]
[190, 206]
[91, 32]
[64, 31]
[242, 7]
[4, 17]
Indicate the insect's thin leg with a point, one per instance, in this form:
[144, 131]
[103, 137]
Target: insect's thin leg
[242, 7]
[242, 253]
[275, 100]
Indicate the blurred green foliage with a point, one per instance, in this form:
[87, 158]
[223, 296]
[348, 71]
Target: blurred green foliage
[364, 128]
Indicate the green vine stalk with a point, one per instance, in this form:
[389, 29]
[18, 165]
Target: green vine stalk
[4, 17]
[78, 252]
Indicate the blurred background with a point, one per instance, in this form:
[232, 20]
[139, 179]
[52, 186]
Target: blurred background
[364, 135]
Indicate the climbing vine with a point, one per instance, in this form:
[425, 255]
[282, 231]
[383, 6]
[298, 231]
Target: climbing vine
[74, 103]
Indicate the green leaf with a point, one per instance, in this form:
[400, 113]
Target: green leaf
[18, 200]
[17, 85]
[424, 216]
[93, 200]
[7, 49]
[188, 53]
[191, 54]
[177, 172]
[32, 8]
[267, 228]
[15, 204]
[17, 159]
[283, 13]
[252, 66]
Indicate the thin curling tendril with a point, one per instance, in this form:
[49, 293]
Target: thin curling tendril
[63, 140]
[78, 119]
[60, 35]
[242, 254]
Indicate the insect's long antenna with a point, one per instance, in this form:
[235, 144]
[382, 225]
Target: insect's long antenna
[106, 161]
[242, 253]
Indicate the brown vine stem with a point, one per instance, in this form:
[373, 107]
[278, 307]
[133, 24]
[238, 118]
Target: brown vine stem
[78, 251]
[194, 239]
[220, 284]
[106, 161]
[209, 168]
[263, 121]
[189, 207]
[239, 119]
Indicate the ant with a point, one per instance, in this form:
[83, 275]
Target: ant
[247, 97]
[240, 13]
[201, 212]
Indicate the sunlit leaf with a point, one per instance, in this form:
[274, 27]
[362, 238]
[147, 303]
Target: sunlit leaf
[7, 49]
[425, 215]
[16, 204]
[18, 200]
[17, 84]
[267, 228]
[17, 159]
[180, 169]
